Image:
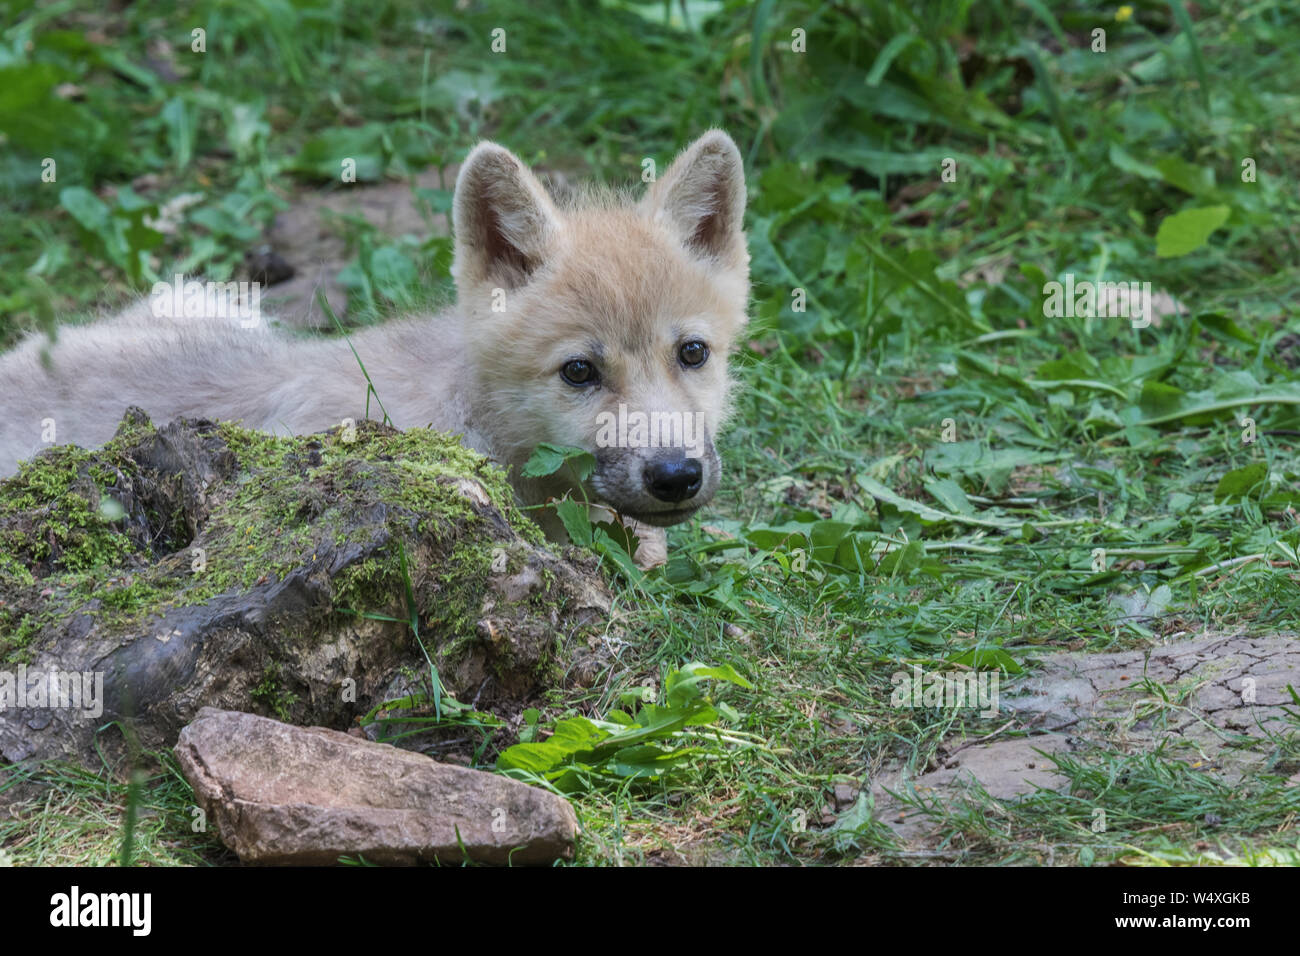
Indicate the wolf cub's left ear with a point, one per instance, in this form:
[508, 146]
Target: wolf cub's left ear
[504, 222]
[701, 197]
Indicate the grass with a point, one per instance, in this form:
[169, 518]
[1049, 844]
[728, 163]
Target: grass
[80, 821]
[922, 461]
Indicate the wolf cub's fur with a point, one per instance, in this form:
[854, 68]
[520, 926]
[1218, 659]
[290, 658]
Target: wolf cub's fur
[563, 314]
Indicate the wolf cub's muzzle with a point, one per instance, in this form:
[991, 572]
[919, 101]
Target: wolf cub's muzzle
[656, 486]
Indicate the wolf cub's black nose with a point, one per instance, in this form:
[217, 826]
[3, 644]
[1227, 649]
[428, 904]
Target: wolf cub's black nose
[674, 480]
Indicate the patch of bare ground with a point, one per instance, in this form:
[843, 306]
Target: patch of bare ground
[1212, 702]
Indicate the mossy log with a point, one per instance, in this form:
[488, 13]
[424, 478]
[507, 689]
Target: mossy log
[201, 564]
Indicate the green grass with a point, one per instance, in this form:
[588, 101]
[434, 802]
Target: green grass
[80, 820]
[947, 458]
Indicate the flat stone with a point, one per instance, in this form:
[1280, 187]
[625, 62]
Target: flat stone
[280, 794]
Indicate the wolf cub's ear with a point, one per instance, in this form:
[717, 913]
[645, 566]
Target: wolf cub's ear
[701, 197]
[504, 222]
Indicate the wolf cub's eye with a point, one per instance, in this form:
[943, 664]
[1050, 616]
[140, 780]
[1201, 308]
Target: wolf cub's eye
[580, 372]
[693, 354]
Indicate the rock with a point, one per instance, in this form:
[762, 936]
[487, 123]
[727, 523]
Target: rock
[266, 266]
[200, 564]
[305, 796]
[845, 795]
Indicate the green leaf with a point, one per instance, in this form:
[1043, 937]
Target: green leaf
[949, 494]
[885, 57]
[1240, 481]
[855, 822]
[619, 536]
[573, 735]
[903, 561]
[576, 734]
[534, 757]
[573, 514]
[322, 156]
[394, 275]
[987, 659]
[716, 672]
[180, 130]
[528, 733]
[1187, 231]
[34, 119]
[1204, 403]
[1176, 171]
[826, 537]
[927, 514]
[87, 209]
[1226, 327]
[790, 536]
[1063, 369]
[657, 723]
[1122, 160]
[615, 550]
[582, 752]
[855, 552]
[1160, 399]
[547, 459]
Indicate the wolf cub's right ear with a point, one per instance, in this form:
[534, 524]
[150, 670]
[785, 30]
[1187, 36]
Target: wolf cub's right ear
[503, 220]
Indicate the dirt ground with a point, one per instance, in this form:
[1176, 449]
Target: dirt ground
[1210, 702]
[308, 238]
[305, 236]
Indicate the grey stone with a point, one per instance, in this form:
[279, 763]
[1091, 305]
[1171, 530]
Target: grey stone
[280, 794]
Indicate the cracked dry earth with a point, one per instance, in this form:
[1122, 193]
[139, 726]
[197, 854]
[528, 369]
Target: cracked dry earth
[1210, 702]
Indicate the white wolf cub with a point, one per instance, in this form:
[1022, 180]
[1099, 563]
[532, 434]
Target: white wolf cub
[603, 323]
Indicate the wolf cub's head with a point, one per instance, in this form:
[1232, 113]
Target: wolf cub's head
[606, 324]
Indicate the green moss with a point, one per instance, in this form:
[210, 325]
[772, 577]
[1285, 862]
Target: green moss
[13, 573]
[371, 583]
[125, 601]
[60, 492]
[254, 449]
[272, 695]
[27, 612]
[280, 516]
[290, 499]
[16, 636]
